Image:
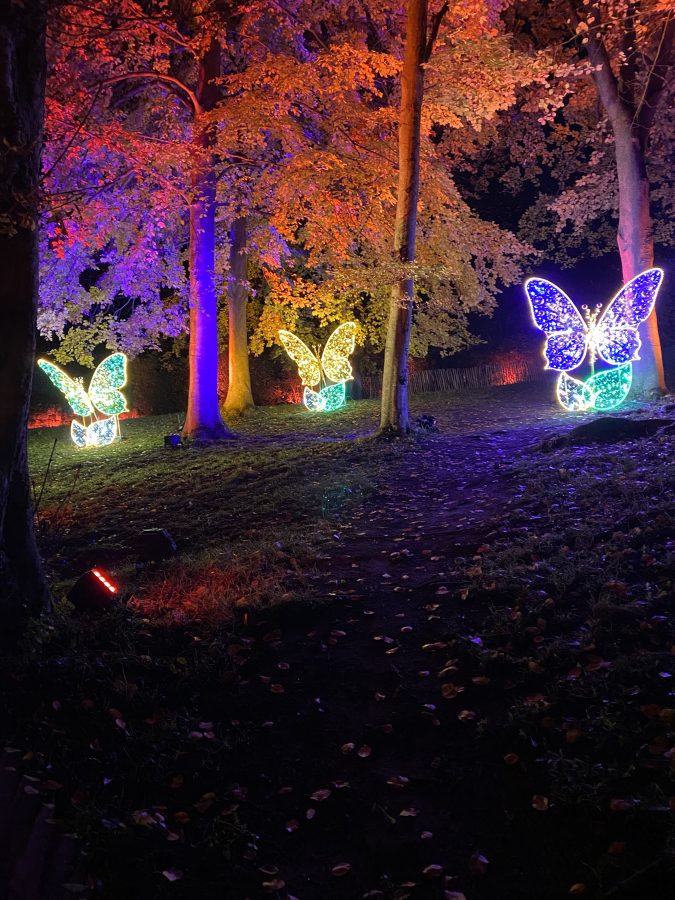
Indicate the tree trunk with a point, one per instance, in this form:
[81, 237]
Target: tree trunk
[23, 590]
[239, 396]
[636, 243]
[356, 385]
[635, 239]
[394, 410]
[203, 421]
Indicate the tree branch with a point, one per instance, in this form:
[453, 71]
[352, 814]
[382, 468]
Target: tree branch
[605, 80]
[627, 68]
[436, 21]
[183, 90]
[645, 110]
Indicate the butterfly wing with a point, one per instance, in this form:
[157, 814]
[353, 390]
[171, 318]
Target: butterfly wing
[73, 391]
[78, 433]
[333, 396]
[339, 347]
[555, 314]
[618, 341]
[573, 394]
[102, 432]
[308, 365]
[106, 382]
[610, 387]
[313, 401]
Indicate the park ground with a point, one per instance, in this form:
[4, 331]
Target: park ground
[427, 669]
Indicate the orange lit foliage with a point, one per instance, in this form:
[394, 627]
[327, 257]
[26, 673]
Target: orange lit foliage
[303, 142]
[335, 198]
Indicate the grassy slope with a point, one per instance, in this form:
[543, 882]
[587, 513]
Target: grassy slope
[555, 757]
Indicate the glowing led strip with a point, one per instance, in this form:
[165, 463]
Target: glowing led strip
[111, 587]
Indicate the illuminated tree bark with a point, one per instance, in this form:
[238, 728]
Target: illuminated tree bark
[203, 420]
[23, 590]
[394, 417]
[394, 411]
[239, 395]
[631, 110]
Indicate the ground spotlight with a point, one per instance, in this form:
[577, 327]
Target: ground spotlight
[93, 590]
[154, 545]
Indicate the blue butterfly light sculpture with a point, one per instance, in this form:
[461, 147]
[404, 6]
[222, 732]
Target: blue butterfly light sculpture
[610, 335]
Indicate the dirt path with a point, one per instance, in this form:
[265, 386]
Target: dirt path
[410, 789]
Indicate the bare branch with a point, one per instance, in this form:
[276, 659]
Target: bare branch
[664, 62]
[436, 22]
[182, 89]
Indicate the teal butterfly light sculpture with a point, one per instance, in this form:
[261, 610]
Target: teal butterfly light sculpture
[103, 396]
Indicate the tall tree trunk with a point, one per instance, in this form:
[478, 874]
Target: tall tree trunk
[636, 242]
[356, 385]
[203, 420]
[394, 410]
[239, 395]
[631, 134]
[23, 590]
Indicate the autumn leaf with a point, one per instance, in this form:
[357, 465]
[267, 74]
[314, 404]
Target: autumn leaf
[341, 869]
[478, 863]
[172, 874]
[449, 690]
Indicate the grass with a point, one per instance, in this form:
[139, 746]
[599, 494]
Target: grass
[444, 664]
[262, 504]
[270, 496]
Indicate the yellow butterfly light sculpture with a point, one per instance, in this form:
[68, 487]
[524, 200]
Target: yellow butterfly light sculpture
[104, 395]
[331, 366]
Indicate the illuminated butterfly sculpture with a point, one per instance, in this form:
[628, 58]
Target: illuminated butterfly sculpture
[103, 395]
[332, 365]
[610, 335]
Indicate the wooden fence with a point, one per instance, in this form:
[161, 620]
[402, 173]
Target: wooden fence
[508, 372]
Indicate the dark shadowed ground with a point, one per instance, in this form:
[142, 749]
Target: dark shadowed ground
[425, 669]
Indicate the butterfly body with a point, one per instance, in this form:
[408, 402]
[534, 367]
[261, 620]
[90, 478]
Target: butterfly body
[104, 395]
[316, 369]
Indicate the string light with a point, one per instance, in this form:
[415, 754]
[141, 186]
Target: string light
[104, 395]
[339, 347]
[616, 336]
[333, 364]
[611, 336]
[97, 434]
[326, 400]
[72, 389]
[309, 365]
[334, 396]
[573, 395]
[104, 390]
[602, 391]
[611, 387]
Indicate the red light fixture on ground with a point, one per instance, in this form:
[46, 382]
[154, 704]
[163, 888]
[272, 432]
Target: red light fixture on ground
[93, 590]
